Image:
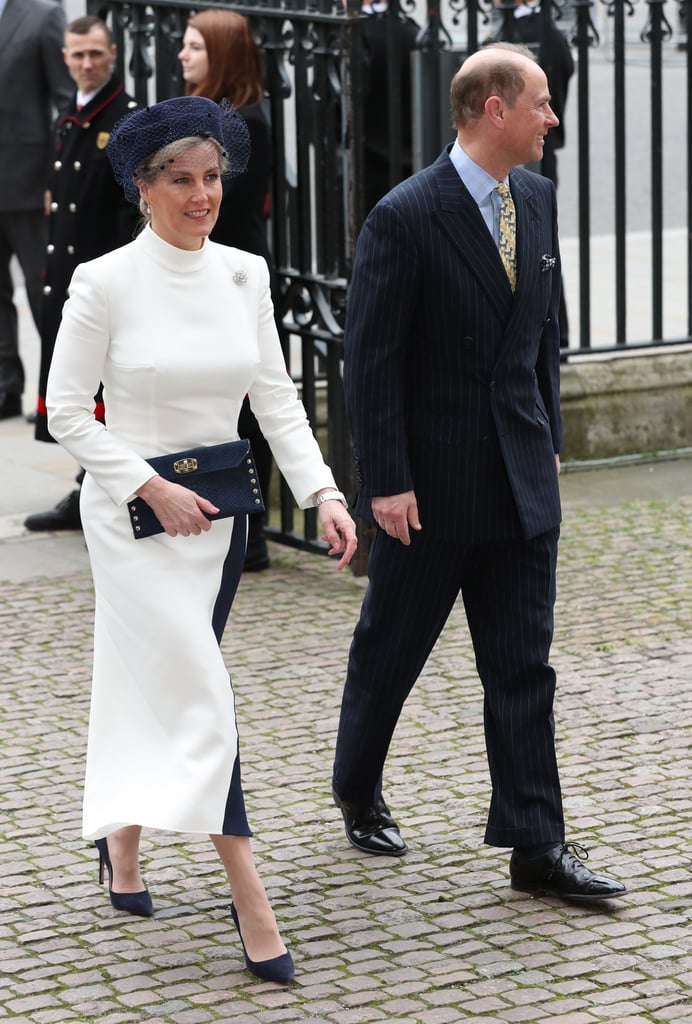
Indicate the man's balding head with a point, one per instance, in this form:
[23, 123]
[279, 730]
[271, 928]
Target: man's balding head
[496, 70]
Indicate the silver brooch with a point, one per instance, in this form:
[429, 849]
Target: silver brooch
[240, 277]
[547, 263]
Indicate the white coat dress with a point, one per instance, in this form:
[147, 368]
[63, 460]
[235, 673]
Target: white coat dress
[178, 339]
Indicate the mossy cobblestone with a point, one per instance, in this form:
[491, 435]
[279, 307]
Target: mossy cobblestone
[433, 938]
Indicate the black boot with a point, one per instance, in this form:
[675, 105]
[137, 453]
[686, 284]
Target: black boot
[256, 555]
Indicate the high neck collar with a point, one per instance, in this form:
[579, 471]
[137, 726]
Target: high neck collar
[170, 256]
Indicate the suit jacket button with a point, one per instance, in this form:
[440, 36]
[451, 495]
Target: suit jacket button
[492, 385]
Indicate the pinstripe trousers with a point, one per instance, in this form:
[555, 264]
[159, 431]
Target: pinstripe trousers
[508, 590]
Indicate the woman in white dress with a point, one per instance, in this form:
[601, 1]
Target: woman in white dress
[179, 329]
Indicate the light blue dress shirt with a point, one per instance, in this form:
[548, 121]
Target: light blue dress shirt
[482, 187]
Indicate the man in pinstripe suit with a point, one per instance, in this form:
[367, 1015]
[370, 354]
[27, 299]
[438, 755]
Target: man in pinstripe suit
[452, 386]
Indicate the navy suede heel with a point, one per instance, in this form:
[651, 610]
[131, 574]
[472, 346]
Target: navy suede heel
[279, 968]
[133, 902]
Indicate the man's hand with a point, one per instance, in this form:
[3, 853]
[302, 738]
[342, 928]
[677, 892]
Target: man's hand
[396, 513]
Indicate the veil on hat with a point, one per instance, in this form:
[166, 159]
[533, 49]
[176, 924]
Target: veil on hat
[143, 132]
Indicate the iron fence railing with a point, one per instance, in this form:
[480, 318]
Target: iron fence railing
[316, 90]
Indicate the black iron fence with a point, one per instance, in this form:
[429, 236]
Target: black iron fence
[318, 89]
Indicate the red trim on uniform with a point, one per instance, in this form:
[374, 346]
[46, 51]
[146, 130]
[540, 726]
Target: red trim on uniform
[94, 113]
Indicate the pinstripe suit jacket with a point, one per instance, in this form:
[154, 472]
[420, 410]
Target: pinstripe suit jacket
[451, 380]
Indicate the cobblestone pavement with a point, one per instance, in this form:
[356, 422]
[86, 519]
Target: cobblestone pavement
[434, 937]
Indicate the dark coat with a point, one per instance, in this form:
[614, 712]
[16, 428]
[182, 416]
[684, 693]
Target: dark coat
[451, 380]
[375, 30]
[242, 219]
[89, 215]
[243, 223]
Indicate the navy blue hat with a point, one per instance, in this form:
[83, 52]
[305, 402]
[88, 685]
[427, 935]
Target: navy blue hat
[143, 132]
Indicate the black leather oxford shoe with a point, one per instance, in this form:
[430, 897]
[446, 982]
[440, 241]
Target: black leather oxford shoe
[10, 405]
[560, 872]
[371, 828]
[65, 516]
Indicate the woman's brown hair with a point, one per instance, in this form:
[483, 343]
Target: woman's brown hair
[235, 64]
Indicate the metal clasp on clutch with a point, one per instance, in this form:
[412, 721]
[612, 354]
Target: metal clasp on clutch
[185, 465]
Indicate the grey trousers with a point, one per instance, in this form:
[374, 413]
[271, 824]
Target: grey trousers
[23, 233]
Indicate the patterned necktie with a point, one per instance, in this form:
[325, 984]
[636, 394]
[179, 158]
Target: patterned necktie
[508, 233]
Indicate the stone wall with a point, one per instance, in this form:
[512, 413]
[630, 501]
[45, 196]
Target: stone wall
[623, 404]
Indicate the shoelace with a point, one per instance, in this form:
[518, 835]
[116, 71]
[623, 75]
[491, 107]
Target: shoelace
[575, 850]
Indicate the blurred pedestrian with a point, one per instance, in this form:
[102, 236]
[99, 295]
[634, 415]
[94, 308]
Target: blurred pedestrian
[89, 213]
[179, 330]
[221, 60]
[34, 84]
[376, 27]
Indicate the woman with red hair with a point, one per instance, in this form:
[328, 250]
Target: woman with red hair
[221, 60]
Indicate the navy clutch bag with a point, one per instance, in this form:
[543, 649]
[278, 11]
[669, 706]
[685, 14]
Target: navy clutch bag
[225, 474]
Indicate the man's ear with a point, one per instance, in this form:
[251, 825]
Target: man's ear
[495, 110]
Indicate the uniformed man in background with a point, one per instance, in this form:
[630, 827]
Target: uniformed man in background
[89, 214]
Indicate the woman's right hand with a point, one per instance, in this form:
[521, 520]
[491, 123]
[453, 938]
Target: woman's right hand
[179, 510]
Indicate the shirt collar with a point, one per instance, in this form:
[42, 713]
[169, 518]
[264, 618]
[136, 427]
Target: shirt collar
[83, 98]
[477, 180]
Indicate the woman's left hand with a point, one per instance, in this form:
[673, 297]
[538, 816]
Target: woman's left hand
[339, 531]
